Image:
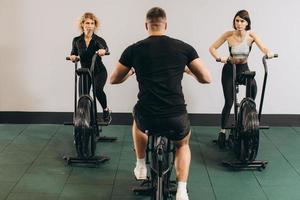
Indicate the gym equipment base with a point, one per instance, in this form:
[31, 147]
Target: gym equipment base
[95, 161]
[238, 165]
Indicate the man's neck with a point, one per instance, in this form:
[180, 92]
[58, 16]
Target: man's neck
[156, 33]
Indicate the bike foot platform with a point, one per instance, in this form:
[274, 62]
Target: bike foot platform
[146, 189]
[105, 139]
[253, 165]
[103, 123]
[92, 162]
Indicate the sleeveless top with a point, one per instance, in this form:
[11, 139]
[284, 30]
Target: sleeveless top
[241, 50]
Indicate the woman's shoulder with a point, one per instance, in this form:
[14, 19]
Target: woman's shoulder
[97, 37]
[77, 37]
[228, 34]
[252, 34]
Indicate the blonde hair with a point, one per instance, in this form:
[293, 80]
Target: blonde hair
[88, 15]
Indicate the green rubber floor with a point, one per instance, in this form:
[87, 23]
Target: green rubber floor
[32, 168]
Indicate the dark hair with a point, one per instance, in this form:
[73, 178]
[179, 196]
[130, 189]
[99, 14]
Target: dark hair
[156, 15]
[244, 15]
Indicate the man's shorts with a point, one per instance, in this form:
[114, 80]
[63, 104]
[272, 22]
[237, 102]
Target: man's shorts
[174, 128]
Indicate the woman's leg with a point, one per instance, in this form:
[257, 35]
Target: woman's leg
[228, 93]
[100, 80]
[253, 89]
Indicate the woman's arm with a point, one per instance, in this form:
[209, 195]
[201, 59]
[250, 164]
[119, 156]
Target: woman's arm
[213, 48]
[261, 45]
[74, 52]
[102, 46]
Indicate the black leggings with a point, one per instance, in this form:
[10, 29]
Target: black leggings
[228, 88]
[100, 80]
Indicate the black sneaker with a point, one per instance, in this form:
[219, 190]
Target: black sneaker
[107, 116]
[222, 140]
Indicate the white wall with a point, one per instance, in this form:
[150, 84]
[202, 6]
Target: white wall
[36, 36]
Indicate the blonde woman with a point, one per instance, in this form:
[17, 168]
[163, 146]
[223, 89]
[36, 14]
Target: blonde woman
[85, 46]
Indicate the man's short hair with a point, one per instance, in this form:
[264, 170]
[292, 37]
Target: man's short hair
[156, 15]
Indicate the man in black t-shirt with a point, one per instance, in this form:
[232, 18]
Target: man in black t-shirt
[159, 63]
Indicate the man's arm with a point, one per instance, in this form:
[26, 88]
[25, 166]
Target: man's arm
[200, 71]
[120, 73]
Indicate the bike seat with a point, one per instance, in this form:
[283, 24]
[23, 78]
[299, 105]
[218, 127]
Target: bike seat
[248, 74]
[82, 71]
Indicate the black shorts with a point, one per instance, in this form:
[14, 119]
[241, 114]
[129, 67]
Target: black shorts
[174, 128]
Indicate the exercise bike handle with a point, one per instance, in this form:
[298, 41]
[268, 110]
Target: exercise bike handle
[274, 56]
[228, 60]
[100, 46]
[77, 59]
[265, 57]
[107, 53]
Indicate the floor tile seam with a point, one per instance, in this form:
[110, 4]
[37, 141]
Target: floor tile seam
[288, 130]
[3, 149]
[41, 139]
[29, 166]
[17, 182]
[277, 148]
[294, 129]
[70, 172]
[66, 183]
[42, 193]
[56, 195]
[261, 186]
[119, 160]
[46, 144]
[206, 169]
[52, 133]
[88, 184]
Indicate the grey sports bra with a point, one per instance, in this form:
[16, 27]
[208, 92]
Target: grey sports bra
[241, 50]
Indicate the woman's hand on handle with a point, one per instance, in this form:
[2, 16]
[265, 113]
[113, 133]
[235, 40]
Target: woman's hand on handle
[222, 59]
[270, 55]
[101, 52]
[73, 58]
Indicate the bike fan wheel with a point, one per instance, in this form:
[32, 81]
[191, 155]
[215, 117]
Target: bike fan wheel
[248, 132]
[84, 131]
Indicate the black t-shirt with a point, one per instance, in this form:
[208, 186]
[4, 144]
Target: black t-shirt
[159, 63]
[85, 53]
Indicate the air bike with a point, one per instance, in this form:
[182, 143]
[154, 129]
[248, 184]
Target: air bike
[244, 132]
[86, 125]
[160, 158]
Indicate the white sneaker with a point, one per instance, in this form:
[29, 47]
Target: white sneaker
[140, 172]
[182, 196]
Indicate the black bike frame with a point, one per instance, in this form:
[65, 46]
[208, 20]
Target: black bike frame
[157, 147]
[263, 87]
